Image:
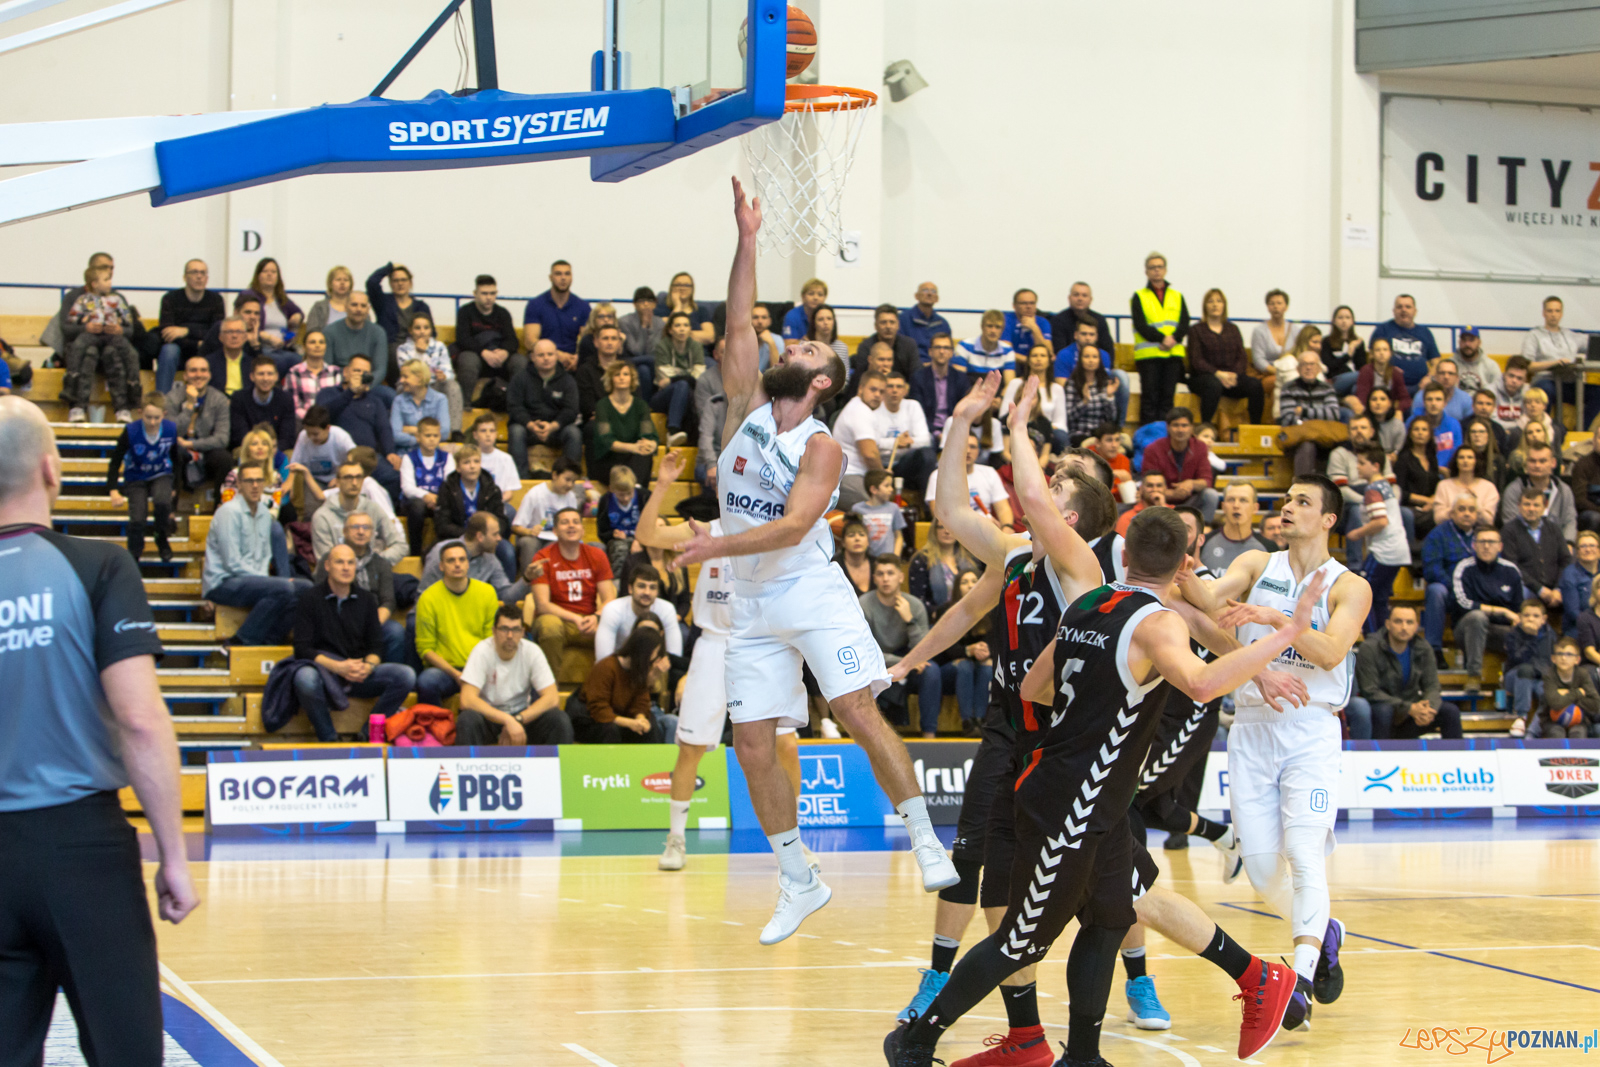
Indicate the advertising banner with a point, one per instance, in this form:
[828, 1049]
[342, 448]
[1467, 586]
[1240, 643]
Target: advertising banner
[837, 790]
[1490, 190]
[317, 790]
[628, 787]
[1550, 777]
[451, 790]
[1214, 793]
[1420, 779]
[942, 767]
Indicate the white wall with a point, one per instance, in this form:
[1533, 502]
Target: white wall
[1055, 142]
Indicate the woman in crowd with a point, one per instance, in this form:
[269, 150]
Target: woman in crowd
[312, 374]
[1270, 340]
[680, 359]
[616, 695]
[1379, 370]
[422, 345]
[852, 555]
[825, 328]
[1049, 416]
[1218, 364]
[1477, 432]
[1386, 420]
[1536, 408]
[601, 314]
[280, 316]
[330, 309]
[395, 309]
[1466, 476]
[1343, 351]
[1517, 462]
[1090, 396]
[680, 297]
[937, 567]
[641, 327]
[1417, 474]
[623, 429]
[967, 665]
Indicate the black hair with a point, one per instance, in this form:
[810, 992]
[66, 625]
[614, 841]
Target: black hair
[1332, 499]
[484, 279]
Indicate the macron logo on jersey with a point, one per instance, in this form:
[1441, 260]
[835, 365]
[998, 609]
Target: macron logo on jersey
[1272, 585]
[124, 625]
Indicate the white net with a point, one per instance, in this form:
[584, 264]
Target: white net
[799, 164]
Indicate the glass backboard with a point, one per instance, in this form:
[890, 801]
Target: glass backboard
[693, 48]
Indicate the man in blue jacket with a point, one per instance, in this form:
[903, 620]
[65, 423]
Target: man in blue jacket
[1413, 346]
[1487, 592]
[358, 411]
[938, 386]
[1447, 544]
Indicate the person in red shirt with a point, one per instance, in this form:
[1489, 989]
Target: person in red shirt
[572, 586]
[1107, 444]
[1152, 494]
[1186, 462]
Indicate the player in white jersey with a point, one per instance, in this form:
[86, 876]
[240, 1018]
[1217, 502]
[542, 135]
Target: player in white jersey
[777, 475]
[703, 711]
[1283, 766]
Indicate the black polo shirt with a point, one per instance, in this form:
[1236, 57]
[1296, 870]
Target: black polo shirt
[343, 629]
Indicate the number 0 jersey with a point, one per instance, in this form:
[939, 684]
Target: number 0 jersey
[755, 473]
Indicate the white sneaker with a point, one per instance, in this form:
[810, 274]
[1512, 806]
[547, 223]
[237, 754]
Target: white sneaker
[1232, 858]
[830, 729]
[795, 902]
[672, 857]
[937, 870]
[124, 415]
[77, 415]
[677, 439]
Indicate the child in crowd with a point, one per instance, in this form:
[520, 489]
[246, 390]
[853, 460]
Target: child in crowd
[1208, 434]
[422, 345]
[1528, 651]
[106, 320]
[881, 515]
[1108, 443]
[1384, 535]
[617, 516]
[1569, 702]
[143, 457]
[422, 475]
[318, 451]
[535, 521]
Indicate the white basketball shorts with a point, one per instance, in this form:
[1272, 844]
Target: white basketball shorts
[1283, 771]
[705, 695]
[815, 618]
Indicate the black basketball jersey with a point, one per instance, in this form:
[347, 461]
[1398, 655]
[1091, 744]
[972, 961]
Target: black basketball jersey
[1032, 605]
[1102, 718]
[1108, 550]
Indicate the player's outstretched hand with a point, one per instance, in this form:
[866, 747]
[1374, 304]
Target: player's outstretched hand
[699, 548]
[1280, 687]
[976, 403]
[1022, 406]
[746, 214]
[1235, 613]
[671, 467]
[175, 893]
[1308, 601]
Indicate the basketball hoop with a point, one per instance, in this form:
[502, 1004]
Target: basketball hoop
[800, 163]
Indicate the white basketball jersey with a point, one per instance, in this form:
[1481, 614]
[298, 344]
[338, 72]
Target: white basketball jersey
[713, 592]
[1276, 588]
[755, 473]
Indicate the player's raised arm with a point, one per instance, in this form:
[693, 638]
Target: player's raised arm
[1074, 560]
[651, 531]
[1163, 641]
[1349, 602]
[813, 490]
[953, 624]
[741, 358]
[1277, 687]
[952, 506]
[1212, 596]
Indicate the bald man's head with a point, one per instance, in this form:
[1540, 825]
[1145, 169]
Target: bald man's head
[28, 457]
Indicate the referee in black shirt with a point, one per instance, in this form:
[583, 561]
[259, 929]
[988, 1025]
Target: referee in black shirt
[81, 717]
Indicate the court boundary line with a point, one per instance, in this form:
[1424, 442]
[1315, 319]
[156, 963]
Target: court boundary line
[597, 1060]
[221, 1021]
[864, 965]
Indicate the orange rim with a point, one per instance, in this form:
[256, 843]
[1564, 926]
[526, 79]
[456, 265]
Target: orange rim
[827, 98]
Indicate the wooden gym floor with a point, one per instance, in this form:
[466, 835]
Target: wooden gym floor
[572, 949]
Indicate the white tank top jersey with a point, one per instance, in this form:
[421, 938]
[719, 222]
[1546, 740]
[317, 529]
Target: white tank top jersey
[1276, 588]
[713, 592]
[755, 473]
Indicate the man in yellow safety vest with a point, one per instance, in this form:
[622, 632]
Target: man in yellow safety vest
[1160, 323]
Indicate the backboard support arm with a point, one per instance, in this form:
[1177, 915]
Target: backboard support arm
[483, 44]
[427, 35]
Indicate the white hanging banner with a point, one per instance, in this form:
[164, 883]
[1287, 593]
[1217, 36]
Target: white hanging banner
[1479, 189]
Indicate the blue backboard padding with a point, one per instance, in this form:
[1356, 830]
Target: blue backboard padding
[437, 132]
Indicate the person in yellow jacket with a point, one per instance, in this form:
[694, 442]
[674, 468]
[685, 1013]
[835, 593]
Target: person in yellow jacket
[1160, 323]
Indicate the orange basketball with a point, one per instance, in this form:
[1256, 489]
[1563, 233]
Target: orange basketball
[835, 520]
[802, 41]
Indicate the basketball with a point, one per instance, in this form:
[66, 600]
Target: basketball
[802, 40]
[835, 522]
[1569, 716]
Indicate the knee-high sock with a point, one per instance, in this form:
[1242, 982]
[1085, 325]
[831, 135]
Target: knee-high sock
[1306, 849]
[1090, 968]
[1269, 874]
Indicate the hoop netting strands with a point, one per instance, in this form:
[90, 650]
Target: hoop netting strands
[800, 163]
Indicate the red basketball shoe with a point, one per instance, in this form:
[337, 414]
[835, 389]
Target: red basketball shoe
[1265, 990]
[1024, 1047]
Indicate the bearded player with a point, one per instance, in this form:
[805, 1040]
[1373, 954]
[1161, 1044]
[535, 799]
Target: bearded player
[777, 475]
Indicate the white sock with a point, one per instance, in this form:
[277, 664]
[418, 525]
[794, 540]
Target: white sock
[791, 861]
[1305, 960]
[1227, 839]
[679, 817]
[914, 810]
